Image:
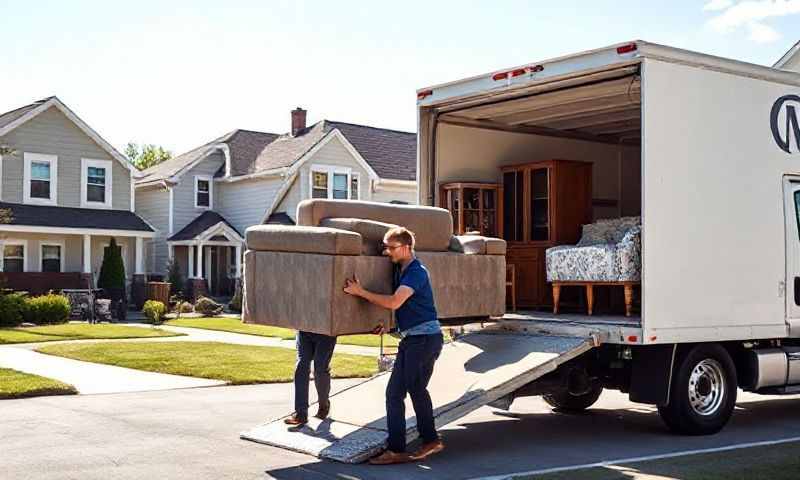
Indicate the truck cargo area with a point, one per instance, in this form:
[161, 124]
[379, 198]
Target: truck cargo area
[472, 371]
[517, 137]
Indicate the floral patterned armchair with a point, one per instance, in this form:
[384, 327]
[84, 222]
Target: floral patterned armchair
[608, 251]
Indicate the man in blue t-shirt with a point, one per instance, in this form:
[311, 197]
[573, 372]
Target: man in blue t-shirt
[421, 344]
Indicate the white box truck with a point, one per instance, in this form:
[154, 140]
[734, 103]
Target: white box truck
[707, 151]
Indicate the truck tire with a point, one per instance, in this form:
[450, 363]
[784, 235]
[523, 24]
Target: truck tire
[563, 401]
[703, 392]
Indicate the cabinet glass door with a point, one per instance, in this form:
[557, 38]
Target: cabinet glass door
[540, 205]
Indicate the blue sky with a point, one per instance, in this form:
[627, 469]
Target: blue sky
[179, 74]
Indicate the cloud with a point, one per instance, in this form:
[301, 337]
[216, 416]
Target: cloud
[717, 5]
[761, 33]
[751, 15]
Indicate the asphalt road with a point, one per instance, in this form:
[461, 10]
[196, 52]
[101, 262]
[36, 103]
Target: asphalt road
[193, 434]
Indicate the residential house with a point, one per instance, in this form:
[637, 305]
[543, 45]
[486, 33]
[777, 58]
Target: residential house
[65, 192]
[790, 60]
[202, 201]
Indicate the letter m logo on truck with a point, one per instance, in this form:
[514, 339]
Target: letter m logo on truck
[783, 122]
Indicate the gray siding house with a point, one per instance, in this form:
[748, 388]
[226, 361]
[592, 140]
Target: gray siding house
[202, 201]
[65, 192]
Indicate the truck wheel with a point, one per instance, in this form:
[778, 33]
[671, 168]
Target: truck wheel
[563, 401]
[703, 392]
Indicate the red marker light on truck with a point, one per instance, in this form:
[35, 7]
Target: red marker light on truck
[631, 47]
[518, 72]
[425, 93]
[500, 76]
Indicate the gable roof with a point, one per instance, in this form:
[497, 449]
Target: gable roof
[203, 222]
[391, 154]
[17, 117]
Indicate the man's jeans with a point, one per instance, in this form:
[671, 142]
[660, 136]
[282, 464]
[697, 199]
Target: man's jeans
[319, 349]
[412, 372]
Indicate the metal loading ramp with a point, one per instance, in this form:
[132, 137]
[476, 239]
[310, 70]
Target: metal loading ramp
[473, 371]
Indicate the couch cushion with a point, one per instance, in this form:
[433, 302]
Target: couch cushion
[477, 245]
[283, 238]
[608, 230]
[371, 231]
[432, 226]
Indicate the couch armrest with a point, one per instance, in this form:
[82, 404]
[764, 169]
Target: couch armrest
[477, 245]
[281, 238]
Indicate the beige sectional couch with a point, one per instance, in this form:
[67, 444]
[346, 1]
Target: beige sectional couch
[294, 275]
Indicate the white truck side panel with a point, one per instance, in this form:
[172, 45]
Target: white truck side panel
[713, 234]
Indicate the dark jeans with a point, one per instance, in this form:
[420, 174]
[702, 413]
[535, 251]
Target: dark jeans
[412, 372]
[319, 349]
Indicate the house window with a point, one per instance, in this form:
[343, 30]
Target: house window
[319, 185]
[354, 193]
[340, 186]
[51, 257]
[329, 181]
[96, 183]
[202, 192]
[40, 178]
[14, 257]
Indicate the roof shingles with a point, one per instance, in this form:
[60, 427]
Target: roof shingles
[72, 217]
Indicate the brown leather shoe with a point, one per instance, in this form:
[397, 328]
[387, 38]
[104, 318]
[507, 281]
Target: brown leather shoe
[428, 449]
[323, 411]
[389, 457]
[295, 420]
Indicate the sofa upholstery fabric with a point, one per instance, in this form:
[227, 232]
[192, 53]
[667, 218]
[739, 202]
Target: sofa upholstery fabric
[283, 238]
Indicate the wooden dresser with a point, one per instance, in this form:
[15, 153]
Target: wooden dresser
[543, 204]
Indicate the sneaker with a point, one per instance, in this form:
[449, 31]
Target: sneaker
[295, 420]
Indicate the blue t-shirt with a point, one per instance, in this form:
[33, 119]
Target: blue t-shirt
[419, 308]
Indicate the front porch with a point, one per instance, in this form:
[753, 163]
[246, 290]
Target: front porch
[209, 252]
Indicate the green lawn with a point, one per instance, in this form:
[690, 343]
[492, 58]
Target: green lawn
[235, 364]
[228, 324]
[774, 462]
[15, 384]
[78, 331]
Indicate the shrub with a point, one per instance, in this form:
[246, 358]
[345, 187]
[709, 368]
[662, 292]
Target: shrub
[112, 271]
[12, 306]
[154, 311]
[46, 309]
[206, 306]
[174, 277]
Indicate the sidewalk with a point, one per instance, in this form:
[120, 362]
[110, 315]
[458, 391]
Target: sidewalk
[90, 378]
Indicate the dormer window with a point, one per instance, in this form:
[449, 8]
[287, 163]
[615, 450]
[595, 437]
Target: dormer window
[202, 192]
[40, 179]
[96, 183]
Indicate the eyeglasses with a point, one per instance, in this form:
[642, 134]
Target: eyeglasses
[386, 246]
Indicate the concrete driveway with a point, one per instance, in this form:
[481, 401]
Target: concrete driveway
[193, 434]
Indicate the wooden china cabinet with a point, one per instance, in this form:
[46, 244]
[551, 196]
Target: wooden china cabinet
[475, 207]
[543, 204]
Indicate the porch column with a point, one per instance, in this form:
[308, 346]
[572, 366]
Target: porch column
[171, 251]
[200, 270]
[87, 253]
[139, 260]
[208, 265]
[190, 268]
[238, 260]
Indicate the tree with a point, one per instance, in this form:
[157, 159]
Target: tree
[145, 156]
[174, 277]
[112, 272]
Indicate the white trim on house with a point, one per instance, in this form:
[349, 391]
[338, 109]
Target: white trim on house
[171, 210]
[75, 231]
[175, 177]
[273, 172]
[347, 145]
[287, 185]
[109, 180]
[330, 171]
[209, 180]
[787, 56]
[61, 253]
[133, 194]
[14, 241]
[29, 158]
[55, 102]
[220, 228]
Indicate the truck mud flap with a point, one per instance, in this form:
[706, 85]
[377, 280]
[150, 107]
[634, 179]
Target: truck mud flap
[475, 370]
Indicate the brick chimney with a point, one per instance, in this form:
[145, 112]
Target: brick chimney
[298, 120]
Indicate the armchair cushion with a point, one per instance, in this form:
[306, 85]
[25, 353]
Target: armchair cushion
[371, 231]
[282, 238]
